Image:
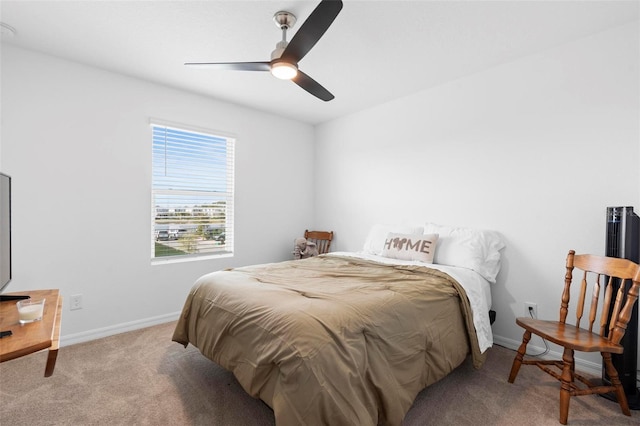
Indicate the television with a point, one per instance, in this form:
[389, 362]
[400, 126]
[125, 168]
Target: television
[5, 231]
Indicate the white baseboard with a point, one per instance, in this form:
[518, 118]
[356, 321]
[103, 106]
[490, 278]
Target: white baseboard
[99, 333]
[587, 367]
[86, 336]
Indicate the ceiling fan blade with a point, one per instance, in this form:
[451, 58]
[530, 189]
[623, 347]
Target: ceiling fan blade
[311, 30]
[233, 66]
[312, 86]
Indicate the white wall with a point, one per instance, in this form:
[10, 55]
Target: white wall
[76, 141]
[536, 149]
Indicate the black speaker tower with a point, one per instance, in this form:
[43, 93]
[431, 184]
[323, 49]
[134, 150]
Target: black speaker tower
[623, 241]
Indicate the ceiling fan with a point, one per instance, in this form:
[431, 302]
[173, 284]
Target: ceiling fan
[285, 58]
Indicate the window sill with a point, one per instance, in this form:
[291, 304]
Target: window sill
[182, 259]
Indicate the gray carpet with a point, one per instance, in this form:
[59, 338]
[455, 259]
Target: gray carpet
[143, 378]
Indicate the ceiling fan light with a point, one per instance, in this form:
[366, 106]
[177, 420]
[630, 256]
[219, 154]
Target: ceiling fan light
[284, 70]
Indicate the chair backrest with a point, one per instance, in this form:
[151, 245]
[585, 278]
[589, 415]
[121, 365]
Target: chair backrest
[619, 282]
[321, 238]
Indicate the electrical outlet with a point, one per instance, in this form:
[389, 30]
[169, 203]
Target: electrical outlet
[530, 309]
[76, 302]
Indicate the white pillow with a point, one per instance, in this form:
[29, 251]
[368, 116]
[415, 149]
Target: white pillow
[469, 248]
[378, 233]
[410, 246]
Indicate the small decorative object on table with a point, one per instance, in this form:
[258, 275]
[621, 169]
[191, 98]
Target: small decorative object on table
[30, 310]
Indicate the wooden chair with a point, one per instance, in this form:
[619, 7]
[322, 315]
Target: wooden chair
[321, 238]
[614, 316]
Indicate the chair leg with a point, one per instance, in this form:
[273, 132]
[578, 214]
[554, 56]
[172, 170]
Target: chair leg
[615, 381]
[565, 388]
[517, 361]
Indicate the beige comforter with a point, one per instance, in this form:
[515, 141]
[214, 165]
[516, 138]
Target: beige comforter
[331, 340]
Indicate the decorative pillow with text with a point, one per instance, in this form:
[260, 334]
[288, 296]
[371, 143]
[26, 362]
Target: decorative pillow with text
[419, 247]
[378, 234]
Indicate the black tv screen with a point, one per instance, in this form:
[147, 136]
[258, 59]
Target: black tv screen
[5, 231]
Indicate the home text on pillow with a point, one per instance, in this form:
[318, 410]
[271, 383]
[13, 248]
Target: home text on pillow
[410, 247]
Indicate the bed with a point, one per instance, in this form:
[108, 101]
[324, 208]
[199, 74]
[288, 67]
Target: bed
[343, 338]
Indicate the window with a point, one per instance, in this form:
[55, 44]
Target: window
[192, 193]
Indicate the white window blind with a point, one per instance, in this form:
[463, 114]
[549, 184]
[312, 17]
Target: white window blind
[192, 193]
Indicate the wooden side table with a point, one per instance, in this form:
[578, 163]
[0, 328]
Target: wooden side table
[36, 336]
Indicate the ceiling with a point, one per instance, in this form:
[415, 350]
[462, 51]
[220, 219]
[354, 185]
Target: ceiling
[374, 52]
